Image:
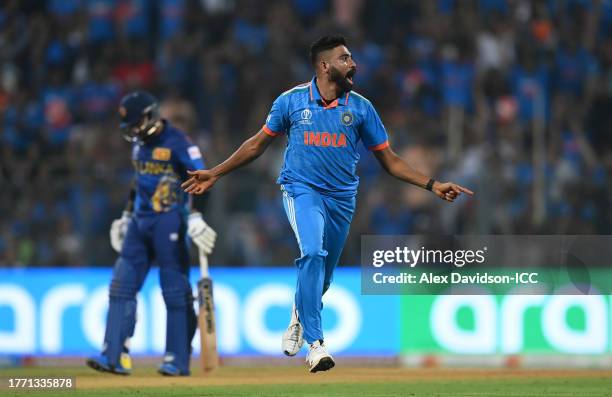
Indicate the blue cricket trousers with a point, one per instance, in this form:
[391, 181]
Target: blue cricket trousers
[159, 238]
[321, 224]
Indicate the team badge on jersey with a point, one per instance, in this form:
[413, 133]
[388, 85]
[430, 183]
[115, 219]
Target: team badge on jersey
[161, 154]
[347, 118]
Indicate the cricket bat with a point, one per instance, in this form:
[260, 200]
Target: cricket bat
[209, 357]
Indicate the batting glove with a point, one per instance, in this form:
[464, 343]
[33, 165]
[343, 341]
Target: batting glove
[118, 230]
[201, 233]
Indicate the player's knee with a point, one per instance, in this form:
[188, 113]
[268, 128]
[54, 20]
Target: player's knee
[311, 258]
[120, 289]
[177, 298]
[313, 252]
[175, 289]
[125, 283]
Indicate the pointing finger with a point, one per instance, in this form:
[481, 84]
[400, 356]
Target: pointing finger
[465, 190]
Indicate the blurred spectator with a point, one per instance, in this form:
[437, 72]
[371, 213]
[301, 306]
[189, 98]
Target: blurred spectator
[97, 97]
[100, 17]
[134, 68]
[530, 86]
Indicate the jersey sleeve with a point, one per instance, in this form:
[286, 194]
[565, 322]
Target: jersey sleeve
[373, 131]
[189, 157]
[277, 122]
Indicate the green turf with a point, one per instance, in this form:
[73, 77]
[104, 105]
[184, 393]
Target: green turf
[506, 387]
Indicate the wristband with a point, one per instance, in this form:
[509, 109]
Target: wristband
[430, 184]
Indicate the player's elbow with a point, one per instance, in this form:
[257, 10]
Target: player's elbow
[254, 147]
[389, 165]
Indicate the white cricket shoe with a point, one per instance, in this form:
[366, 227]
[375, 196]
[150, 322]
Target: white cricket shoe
[293, 338]
[318, 358]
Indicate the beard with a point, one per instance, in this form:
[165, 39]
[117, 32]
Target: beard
[344, 81]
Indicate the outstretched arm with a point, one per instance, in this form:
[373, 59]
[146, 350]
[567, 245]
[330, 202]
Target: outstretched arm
[397, 167]
[202, 180]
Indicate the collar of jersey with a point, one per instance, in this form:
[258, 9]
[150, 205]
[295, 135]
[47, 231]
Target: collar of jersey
[315, 96]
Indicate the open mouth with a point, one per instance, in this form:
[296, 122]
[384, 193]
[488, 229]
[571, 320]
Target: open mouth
[350, 74]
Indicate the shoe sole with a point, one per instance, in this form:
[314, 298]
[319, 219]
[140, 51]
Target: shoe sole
[324, 364]
[96, 365]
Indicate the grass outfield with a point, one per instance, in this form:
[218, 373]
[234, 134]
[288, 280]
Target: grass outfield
[341, 381]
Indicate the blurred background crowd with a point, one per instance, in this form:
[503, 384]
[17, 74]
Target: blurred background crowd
[512, 98]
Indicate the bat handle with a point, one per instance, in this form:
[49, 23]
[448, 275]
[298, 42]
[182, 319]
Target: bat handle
[203, 264]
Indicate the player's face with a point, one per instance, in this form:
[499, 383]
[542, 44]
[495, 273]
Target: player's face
[342, 68]
[142, 130]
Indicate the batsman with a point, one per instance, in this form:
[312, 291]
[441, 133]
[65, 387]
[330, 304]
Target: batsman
[324, 120]
[156, 228]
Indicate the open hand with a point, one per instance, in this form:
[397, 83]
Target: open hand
[449, 191]
[199, 181]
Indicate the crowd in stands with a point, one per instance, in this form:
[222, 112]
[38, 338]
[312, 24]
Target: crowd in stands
[511, 98]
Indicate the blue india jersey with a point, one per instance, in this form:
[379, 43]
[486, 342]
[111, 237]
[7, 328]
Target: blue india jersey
[322, 138]
[161, 164]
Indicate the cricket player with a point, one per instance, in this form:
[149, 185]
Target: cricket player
[324, 121]
[155, 227]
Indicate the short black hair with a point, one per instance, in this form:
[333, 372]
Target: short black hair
[323, 44]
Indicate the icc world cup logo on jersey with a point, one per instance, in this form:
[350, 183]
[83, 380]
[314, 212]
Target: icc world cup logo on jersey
[306, 116]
